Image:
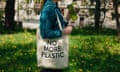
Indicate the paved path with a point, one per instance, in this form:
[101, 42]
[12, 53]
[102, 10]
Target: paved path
[31, 24]
[34, 24]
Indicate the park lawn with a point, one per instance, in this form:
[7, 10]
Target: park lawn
[18, 52]
[89, 51]
[94, 52]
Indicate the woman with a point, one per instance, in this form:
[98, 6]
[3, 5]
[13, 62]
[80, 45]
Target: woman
[49, 25]
[48, 21]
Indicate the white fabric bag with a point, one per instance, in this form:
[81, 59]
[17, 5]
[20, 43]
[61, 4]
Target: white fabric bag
[52, 53]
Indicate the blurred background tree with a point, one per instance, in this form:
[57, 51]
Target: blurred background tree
[116, 5]
[97, 14]
[9, 14]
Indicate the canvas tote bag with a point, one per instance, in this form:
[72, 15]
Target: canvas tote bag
[52, 53]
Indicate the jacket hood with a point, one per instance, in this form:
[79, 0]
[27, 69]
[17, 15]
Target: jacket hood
[50, 2]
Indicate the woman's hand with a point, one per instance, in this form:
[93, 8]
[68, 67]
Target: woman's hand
[67, 30]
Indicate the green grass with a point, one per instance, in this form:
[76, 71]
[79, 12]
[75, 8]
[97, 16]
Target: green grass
[89, 51]
[94, 52]
[18, 52]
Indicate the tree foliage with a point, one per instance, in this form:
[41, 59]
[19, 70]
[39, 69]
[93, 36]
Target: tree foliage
[73, 12]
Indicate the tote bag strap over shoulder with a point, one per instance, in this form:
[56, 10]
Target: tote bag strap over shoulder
[58, 19]
[59, 22]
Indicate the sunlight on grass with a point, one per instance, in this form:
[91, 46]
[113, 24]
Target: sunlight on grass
[18, 52]
[94, 52]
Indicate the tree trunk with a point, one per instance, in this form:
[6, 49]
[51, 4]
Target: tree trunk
[9, 14]
[97, 14]
[116, 5]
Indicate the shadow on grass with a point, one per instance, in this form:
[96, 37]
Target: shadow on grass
[18, 58]
[18, 28]
[92, 31]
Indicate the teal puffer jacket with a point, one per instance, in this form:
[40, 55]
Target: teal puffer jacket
[48, 21]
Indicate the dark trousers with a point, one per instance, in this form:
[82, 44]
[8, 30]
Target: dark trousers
[51, 70]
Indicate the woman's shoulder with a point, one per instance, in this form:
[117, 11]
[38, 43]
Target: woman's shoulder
[48, 11]
[48, 8]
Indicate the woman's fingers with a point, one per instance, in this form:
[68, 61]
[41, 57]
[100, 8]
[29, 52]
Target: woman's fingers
[67, 30]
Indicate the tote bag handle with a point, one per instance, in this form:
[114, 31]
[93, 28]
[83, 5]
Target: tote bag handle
[59, 22]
